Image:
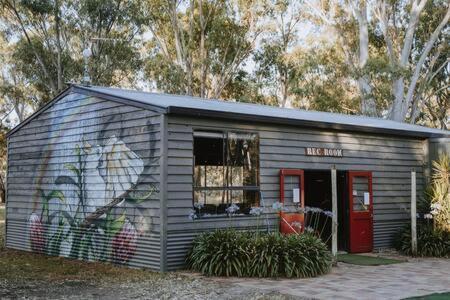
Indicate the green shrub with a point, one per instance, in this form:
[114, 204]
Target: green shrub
[266, 259]
[429, 241]
[306, 256]
[233, 253]
[220, 253]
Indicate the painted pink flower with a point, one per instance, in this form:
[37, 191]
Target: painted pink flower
[36, 232]
[124, 243]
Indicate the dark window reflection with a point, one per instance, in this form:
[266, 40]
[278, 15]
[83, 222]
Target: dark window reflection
[226, 170]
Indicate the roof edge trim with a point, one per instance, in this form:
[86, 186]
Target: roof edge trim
[305, 123]
[64, 93]
[123, 100]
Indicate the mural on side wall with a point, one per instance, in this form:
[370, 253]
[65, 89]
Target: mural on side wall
[94, 208]
[99, 234]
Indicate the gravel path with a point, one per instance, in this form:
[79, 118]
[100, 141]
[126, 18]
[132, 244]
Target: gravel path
[170, 286]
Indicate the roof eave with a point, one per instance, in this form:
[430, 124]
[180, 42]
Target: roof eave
[305, 123]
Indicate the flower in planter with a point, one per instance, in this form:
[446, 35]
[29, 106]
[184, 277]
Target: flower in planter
[256, 211]
[37, 233]
[124, 243]
[277, 206]
[428, 216]
[192, 215]
[297, 226]
[232, 209]
[328, 213]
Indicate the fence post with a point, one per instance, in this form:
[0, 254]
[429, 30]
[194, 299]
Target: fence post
[334, 225]
[413, 213]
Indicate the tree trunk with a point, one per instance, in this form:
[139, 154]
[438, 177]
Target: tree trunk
[368, 104]
[2, 190]
[398, 90]
[58, 46]
[202, 51]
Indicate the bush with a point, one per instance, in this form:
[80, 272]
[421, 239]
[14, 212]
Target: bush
[234, 253]
[430, 242]
[220, 253]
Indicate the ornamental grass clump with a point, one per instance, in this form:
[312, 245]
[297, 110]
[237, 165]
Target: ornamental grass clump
[220, 253]
[237, 253]
[430, 242]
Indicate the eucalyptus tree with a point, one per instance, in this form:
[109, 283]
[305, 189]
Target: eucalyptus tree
[274, 58]
[197, 47]
[49, 36]
[408, 43]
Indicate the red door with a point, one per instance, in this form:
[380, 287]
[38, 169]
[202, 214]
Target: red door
[361, 211]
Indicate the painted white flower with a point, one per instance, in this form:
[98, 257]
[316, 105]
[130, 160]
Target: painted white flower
[119, 167]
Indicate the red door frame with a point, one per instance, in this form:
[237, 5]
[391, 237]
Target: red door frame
[357, 244]
[288, 219]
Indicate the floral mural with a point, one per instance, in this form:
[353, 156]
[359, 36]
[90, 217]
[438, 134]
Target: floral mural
[85, 215]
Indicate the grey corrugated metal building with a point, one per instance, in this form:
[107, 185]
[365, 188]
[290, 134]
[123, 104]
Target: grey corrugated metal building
[110, 174]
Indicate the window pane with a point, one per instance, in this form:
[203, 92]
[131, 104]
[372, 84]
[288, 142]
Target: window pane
[214, 201]
[360, 187]
[224, 162]
[209, 167]
[243, 159]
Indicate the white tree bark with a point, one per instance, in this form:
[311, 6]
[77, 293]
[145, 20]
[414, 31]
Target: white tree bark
[368, 104]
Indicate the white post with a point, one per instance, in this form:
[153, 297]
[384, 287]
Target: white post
[334, 225]
[413, 213]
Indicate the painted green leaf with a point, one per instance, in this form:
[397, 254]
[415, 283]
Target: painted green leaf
[56, 194]
[143, 198]
[56, 239]
[65, 180]
[72, 168]
[44, 212]
[115, 225]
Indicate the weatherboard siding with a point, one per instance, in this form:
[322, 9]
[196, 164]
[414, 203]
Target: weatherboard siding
[40, 152]
[390, 158]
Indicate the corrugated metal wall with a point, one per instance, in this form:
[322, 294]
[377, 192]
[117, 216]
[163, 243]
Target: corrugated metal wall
[438, 147]
[389, 158]
[68, 164]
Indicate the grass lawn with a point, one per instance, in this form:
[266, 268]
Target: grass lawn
[19, 266]
[362, 260]
[2, 212]
[436, 296]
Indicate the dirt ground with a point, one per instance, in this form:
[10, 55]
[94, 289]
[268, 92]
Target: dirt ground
[26, 275]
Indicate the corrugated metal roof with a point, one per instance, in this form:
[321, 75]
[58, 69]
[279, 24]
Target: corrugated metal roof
[238, 110]
[194, 106]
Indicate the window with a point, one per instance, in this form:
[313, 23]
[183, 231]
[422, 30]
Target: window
[226, 170]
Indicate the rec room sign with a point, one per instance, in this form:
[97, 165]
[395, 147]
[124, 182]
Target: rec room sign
[311, 151]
